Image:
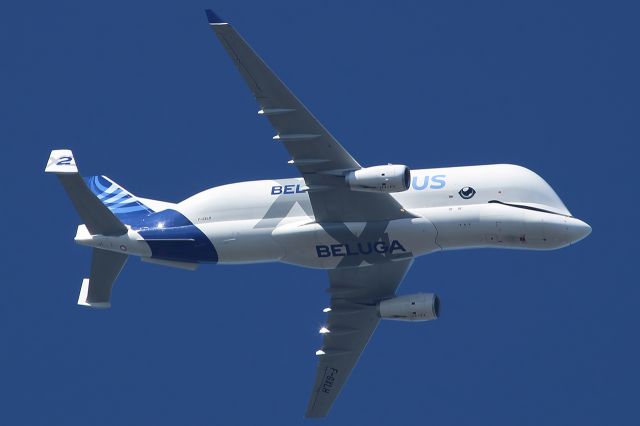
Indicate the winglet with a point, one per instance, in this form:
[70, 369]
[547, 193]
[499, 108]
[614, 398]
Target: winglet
[213, 18]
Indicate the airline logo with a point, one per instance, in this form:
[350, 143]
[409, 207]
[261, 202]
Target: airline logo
[359, 249]
[288, 189]
[420, 183]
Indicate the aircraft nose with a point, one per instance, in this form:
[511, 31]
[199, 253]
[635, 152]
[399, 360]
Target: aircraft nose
[561, 231]
[577, 230]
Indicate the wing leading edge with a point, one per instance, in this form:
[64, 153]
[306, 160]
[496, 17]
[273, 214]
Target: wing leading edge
[352, 319]
[311, 146]
[319, 157]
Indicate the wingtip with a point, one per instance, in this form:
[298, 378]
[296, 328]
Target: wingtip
[213, 17]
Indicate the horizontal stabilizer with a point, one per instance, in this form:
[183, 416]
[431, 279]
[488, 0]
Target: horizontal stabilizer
[61, 161]
[105, 268]
[95, 215]
[213, 18]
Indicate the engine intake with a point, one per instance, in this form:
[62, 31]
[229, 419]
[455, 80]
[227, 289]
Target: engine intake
[414, 307]
[389, 178]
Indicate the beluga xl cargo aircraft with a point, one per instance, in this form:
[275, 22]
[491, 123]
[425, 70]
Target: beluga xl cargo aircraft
[364, 225]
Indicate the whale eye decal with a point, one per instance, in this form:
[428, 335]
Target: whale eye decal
[467, 192]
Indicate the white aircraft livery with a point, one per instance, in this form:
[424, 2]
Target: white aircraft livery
[364, 225]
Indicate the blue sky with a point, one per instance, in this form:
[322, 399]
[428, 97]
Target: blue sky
[143, 92]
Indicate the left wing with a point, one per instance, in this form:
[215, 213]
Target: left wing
[319, 157]
[352, 319]
[312, 147]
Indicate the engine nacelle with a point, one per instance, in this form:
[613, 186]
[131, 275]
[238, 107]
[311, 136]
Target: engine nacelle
[389, 178]
[414, 307]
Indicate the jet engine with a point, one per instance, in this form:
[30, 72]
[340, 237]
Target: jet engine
[389, 178]
[414, 307]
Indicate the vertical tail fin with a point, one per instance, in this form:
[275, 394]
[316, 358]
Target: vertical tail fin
[124, 205]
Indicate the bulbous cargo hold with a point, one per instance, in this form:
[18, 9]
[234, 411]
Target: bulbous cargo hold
[389, 178]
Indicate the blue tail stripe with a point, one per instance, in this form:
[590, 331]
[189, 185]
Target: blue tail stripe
[95, 180]
[117, 210]
[157, 228]
[106, 195]
[117, 198]
[123, 204]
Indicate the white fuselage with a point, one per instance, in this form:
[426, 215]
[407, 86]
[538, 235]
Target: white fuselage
[272, 220]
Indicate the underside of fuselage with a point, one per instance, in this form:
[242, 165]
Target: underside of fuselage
[501, 206]
[497, 206]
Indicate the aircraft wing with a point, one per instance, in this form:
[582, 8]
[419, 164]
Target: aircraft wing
[355, 293]
[319, 157]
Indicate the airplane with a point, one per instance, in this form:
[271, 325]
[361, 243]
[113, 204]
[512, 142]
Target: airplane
[363, 225]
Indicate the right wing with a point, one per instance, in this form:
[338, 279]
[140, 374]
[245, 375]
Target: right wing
[319, 157]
